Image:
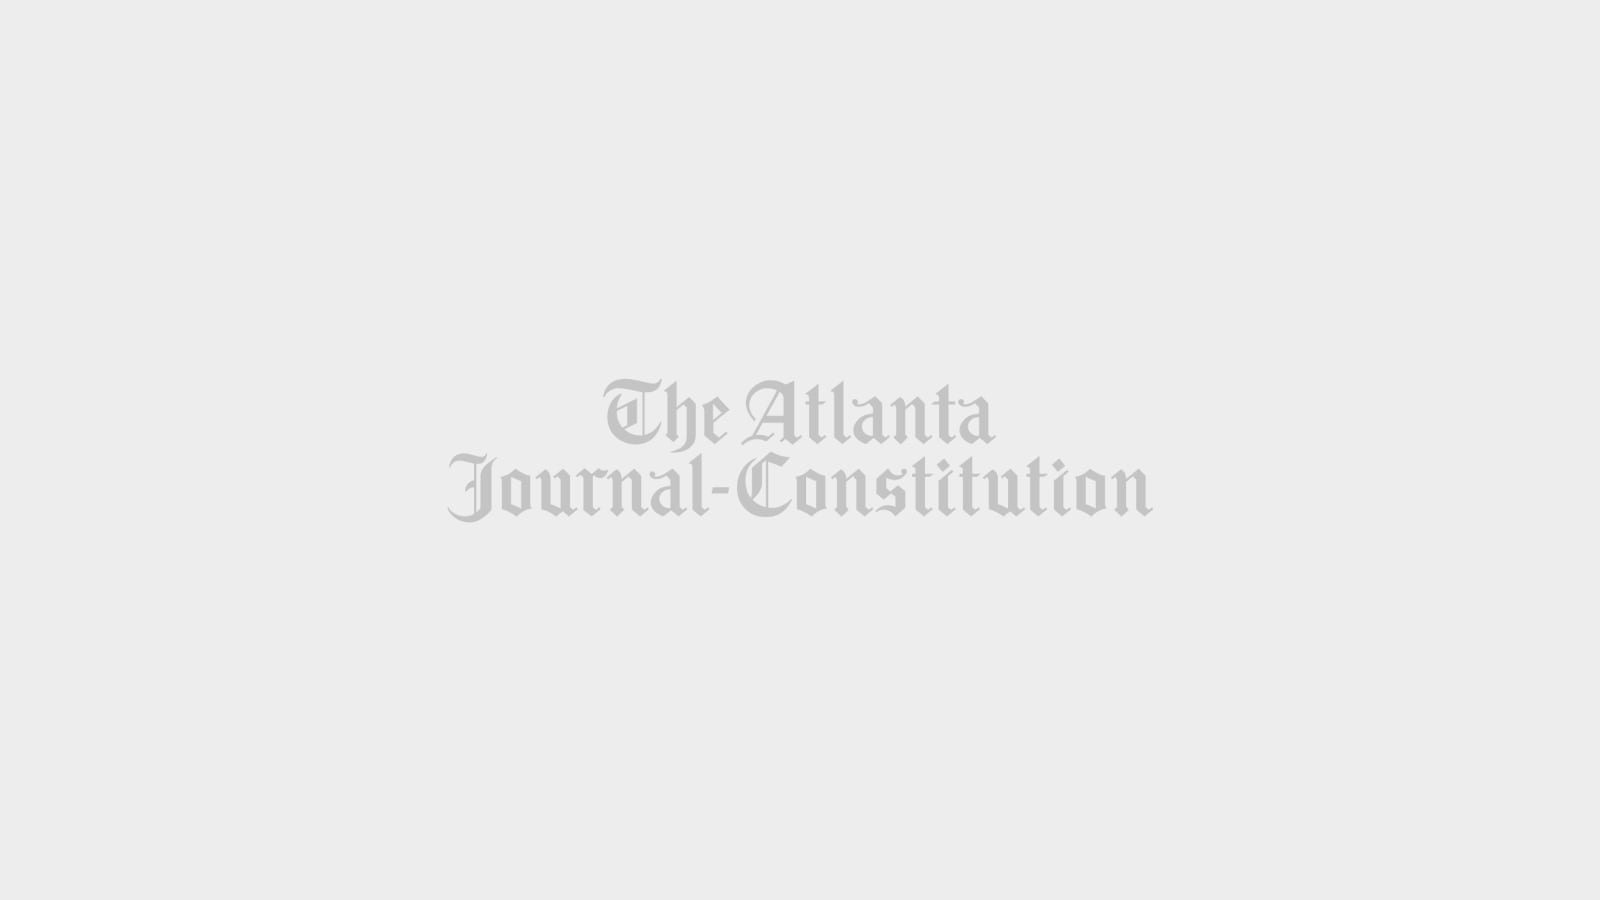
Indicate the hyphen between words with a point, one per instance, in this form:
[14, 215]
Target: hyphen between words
[641, 412]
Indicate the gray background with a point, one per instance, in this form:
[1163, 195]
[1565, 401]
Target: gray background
[1324, 271]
